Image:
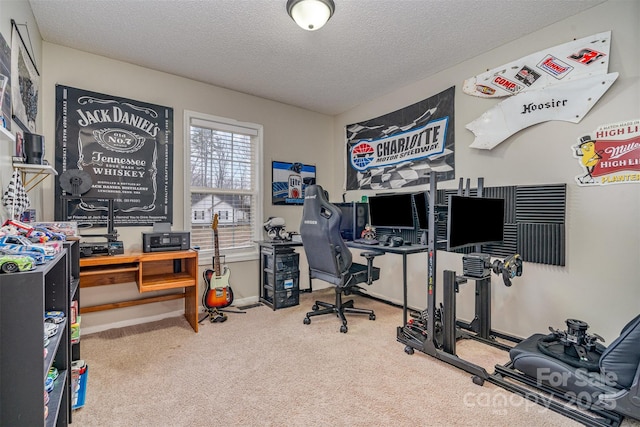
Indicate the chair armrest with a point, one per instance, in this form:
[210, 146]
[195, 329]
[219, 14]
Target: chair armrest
[370, 255]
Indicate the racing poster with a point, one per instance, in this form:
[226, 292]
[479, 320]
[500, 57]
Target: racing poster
[109, 147]
[402, 148]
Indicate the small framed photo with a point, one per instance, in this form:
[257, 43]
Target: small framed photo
[19, 147]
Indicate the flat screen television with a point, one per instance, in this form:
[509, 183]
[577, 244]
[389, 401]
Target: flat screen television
[421, 202]
[474, 220]
[391, 211]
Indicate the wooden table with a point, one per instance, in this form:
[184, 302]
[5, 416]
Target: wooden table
[154, 271]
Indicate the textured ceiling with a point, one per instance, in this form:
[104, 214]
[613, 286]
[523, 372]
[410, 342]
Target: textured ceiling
[369, 47]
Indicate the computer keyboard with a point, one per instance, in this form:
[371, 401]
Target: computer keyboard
[367, 241]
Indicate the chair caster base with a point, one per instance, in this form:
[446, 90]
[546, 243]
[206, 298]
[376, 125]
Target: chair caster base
[344, 329]
[372, 317]
[306, 321]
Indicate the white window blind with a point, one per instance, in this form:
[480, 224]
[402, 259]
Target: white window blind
[224, 164]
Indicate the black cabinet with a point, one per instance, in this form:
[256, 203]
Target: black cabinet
[25, 361]
[279, 275]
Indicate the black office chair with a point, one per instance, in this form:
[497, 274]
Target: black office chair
[329, 257]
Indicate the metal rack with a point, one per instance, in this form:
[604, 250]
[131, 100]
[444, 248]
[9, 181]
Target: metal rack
[441, 330]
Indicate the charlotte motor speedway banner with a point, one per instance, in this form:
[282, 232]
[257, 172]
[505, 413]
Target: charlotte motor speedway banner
[124, 148]
[401, 149]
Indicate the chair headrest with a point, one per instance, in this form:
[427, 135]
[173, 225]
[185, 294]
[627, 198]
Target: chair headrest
[316, 191]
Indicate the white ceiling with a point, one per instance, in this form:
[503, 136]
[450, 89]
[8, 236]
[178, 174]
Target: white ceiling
[369, 47]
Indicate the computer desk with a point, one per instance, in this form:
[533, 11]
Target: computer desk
[403, 250]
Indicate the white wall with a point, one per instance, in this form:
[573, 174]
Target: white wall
[19, 11]
[599, 283]
[285, 128]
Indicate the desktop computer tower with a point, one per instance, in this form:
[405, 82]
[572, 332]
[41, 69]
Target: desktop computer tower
[355, 216]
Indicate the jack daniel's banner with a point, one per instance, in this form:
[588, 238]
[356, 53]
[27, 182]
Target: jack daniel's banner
[112, 148]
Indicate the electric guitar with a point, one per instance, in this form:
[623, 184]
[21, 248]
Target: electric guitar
[219, 293]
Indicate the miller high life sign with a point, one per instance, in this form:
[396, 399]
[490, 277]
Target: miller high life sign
[610, 154]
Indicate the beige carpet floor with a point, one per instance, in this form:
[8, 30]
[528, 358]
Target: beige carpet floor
[266, 368]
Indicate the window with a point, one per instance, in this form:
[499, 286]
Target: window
[223, 161]
[198, 214]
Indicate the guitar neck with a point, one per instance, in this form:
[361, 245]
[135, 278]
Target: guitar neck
[216, 254]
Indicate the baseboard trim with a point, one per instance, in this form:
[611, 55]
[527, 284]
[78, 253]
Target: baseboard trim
[382, 298]
[130, 322]
[139, 320]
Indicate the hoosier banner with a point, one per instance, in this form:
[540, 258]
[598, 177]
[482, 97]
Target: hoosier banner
[124, 147]
[402, 148]
[568, 102]
[562, 82]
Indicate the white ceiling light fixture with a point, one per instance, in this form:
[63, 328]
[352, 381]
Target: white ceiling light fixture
[310, 15]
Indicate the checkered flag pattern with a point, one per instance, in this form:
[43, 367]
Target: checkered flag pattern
[15, 199]
[401, 174]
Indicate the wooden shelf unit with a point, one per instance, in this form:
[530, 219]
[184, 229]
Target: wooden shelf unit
[155, 271]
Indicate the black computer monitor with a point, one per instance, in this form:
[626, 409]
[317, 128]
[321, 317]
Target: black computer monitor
[474, 220]
[421, 202]
[391, 211]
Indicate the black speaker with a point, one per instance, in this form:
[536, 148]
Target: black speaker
[355, 217]
[361, 218]
[33, 146]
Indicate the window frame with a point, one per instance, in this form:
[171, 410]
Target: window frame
[233, 255]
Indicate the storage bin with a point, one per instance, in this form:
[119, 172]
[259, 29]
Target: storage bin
[283, 262]
[281, 299]
[283, 281]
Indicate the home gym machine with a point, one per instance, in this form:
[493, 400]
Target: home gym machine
[436, 330]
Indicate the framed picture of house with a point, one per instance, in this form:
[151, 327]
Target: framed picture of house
[289, 181]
